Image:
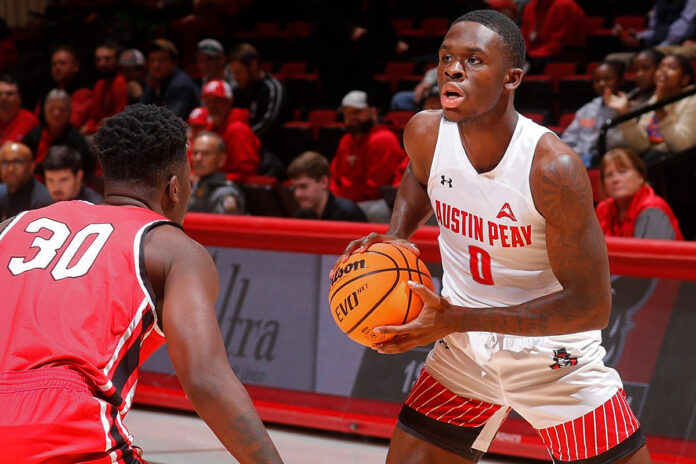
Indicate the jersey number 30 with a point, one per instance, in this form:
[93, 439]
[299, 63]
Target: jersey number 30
[67, 265]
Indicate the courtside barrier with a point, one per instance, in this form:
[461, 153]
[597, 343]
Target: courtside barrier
[300, 369]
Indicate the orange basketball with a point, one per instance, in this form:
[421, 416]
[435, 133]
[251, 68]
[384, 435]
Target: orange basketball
[371, 289]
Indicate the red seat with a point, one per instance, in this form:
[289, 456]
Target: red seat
[630, 22]
[293, 69]
[402, 24]
[320, 117]
[399, 118]
[559, 70]
[267, 29]
[591, 67]
[536, 117]
[597, 190]
[299, 29]
[593, 24]
[393, 71]
[435, 26]
[260, 180]
[398, 68]
[565, 120]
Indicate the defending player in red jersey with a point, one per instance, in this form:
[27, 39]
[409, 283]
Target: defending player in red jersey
[525, 289]
[90, 291]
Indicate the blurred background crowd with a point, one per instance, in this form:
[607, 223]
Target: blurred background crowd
[297, 108]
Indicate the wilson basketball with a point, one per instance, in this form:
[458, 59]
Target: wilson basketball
[371, 289]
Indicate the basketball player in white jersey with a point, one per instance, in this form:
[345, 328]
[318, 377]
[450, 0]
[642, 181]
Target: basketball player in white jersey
[526, 278]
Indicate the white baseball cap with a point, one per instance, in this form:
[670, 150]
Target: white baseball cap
[355, 99]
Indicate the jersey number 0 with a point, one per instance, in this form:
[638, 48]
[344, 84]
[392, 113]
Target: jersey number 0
[66, 266]
[480, 265]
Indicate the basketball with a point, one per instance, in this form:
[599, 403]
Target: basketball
[371, 289]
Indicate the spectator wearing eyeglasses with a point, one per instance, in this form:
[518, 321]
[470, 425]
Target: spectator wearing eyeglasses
[23, 191]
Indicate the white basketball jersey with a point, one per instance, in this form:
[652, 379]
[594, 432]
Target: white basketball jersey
[492, 238]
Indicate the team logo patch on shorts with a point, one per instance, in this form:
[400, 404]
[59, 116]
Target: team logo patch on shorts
[563, 359]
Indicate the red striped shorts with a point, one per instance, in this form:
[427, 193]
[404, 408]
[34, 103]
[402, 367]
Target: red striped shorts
[597, 433]
[50, 414]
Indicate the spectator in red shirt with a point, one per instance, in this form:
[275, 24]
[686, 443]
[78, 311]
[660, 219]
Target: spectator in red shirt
[550, 27]
[243, 146]
[632, 208]
[110, 91]
[15, 121]
[367, 156]
[65, 68]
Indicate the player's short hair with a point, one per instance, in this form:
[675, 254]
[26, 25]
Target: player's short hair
[623, 157]
[219, 142]
[62, 157]
[619, 67]
[505, 28]
[162, 45]
[141, 145]
[310, 164]
[654, 54]
[244, 53]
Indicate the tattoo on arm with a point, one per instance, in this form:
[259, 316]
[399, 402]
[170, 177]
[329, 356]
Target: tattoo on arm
[577, 254]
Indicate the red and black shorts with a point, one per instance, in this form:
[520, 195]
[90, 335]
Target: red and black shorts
[51, 415]
[466, 426]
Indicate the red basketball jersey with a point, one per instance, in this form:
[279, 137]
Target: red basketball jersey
[75, 294]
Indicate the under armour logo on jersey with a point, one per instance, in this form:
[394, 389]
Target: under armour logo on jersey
[447, 181]
[506, 211]
[563, 359]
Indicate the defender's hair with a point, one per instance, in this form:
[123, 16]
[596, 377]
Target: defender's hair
[143, 145]
[505, 28]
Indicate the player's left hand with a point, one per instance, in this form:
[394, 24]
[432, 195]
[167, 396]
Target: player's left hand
[433, 323]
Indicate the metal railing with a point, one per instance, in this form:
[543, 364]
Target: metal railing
[609, 123]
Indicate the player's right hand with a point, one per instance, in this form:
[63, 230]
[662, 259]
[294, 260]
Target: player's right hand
[362, 244]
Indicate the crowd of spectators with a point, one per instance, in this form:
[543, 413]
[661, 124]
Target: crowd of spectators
[237, 105]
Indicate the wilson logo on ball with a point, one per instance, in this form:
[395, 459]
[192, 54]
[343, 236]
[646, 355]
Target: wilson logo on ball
[354, 266]
[371, 290]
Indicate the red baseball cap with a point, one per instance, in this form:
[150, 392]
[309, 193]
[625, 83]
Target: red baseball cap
[198, 117]
[217, 88]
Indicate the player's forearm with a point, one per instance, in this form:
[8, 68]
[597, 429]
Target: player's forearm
[411, 208]
[558, 313]
[226, 407]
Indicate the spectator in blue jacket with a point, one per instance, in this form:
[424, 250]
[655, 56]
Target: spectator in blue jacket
[581, 135]
[168, 85]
